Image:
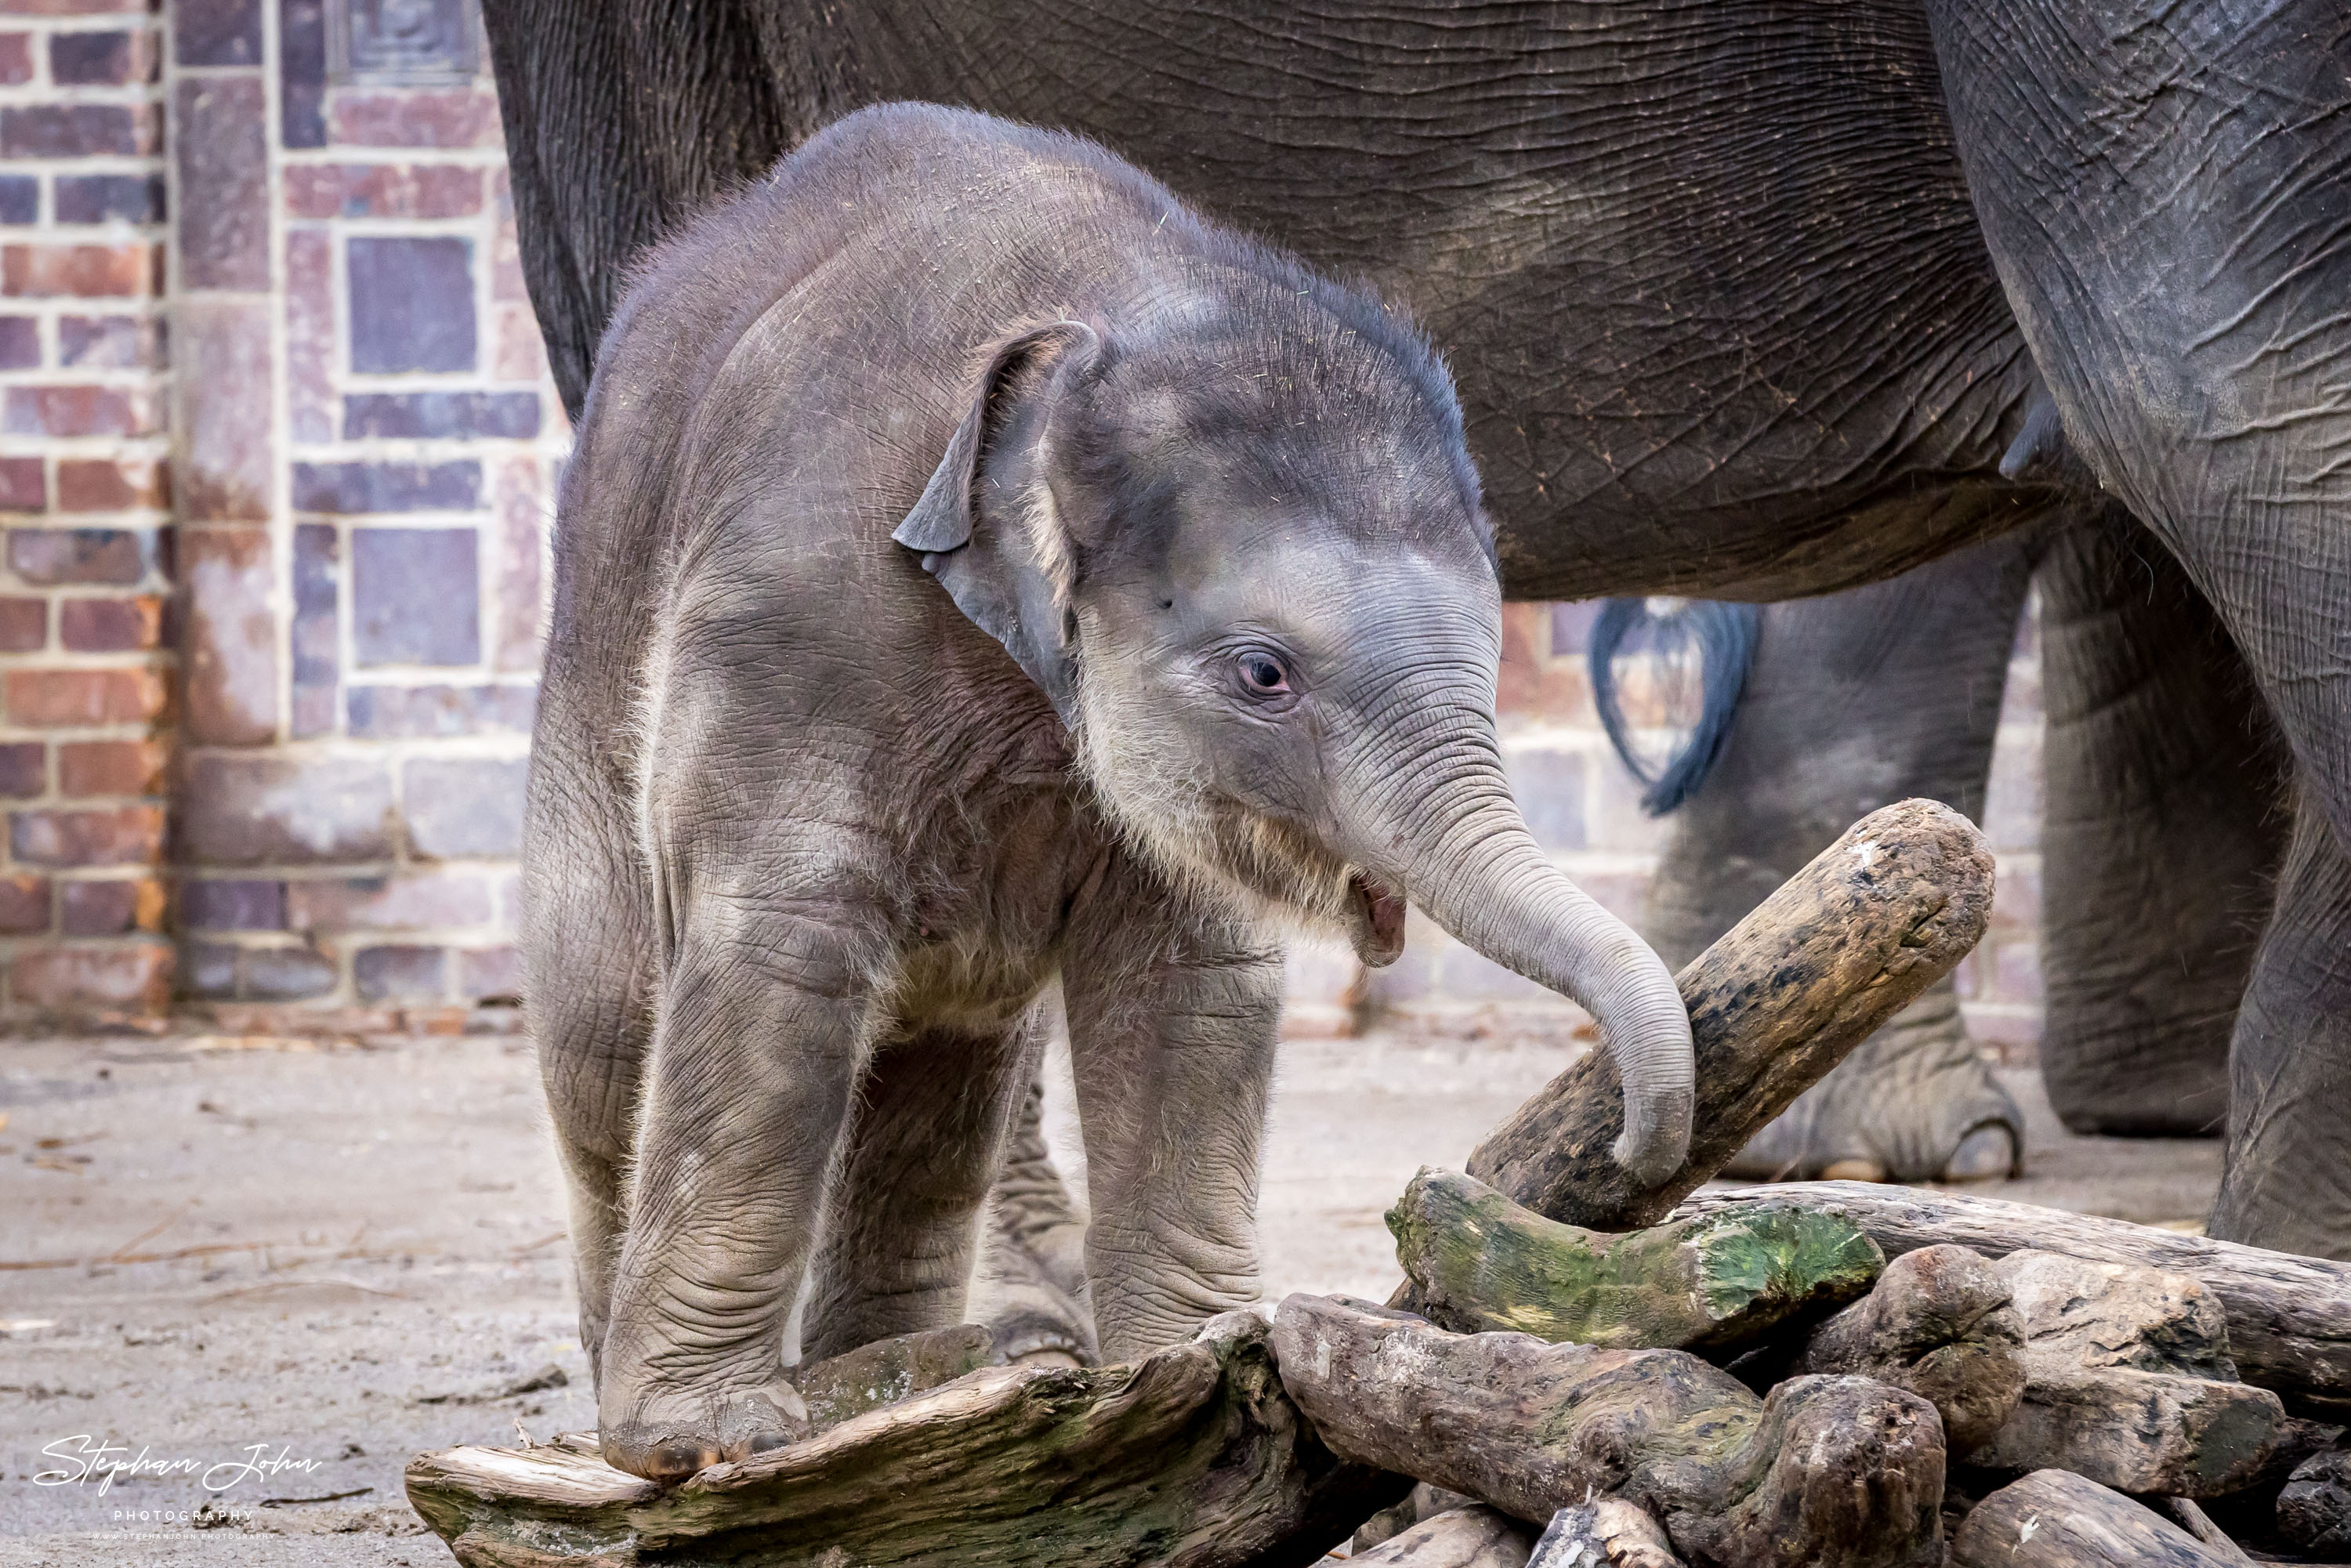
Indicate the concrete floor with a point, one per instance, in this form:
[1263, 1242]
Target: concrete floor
[312, 1261]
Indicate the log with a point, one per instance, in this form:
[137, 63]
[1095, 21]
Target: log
[2288, 1317]
[1938, 1323]
[889, 1370]
[1836, 1472]
[2314, 1511]
[1609, 1533]
[1479, 1261]
[2128, 1383]
[1421, 1504]
[2055, 1518]
[1472, 1537]
[2208, 1535]
[1194, 1456]
[1844, 945]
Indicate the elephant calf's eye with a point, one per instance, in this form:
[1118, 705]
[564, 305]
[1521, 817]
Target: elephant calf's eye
[1262, 675]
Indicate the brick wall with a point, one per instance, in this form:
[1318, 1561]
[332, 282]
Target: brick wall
[367, 442]
[84, 678]
[312, 653]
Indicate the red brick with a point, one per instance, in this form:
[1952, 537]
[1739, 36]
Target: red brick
[15, 59]
[382, 190]
[78, 411]
[124, 835]
[517, 352]
[113, 907]
[24, 624]
[22, 486]
[80, 271]
[109, 483]
[111, 626]
[458, 117]
[24, 904]
[123, 978]
[50, 699]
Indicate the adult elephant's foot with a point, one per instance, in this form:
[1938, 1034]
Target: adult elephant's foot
[1914, 1102]
[666, 1433]
[1030, 1288]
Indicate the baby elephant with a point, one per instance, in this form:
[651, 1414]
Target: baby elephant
[976, 568]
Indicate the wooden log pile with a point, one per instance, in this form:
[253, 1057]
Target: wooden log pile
[1576, 1374]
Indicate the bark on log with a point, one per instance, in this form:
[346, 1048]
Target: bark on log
[1194, 1456]
[1479, 1261]
[1881, 914]
[2055, 1518]
[1938, 1323]
[2128, 1382]
[2289, 1317]
[1472, 1537]
[2314, 1511]
[1609, 1533]
[1832, 1471]
[889, 1370]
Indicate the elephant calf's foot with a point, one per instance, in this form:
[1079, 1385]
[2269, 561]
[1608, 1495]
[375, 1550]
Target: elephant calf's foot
[666, 1434]
[1914, 1102]
[1029, 1289]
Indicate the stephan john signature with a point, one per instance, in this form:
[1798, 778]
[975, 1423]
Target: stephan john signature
[88, 1460]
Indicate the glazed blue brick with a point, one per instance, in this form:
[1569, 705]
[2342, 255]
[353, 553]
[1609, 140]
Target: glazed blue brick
[286, 974]
[316, 655]
[412, 304]
[348, 488]
[217, 32]
[20, 200]
[399, 974]
[233, 905]
[413, 713]
[436, 416]
[20, 343]
[415, 596]
[101, 198]
[207, 970]
[302, 72]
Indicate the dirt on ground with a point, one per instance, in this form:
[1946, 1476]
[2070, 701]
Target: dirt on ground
[241, 1281]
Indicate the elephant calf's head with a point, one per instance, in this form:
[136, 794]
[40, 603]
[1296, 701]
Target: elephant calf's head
[1235, 535]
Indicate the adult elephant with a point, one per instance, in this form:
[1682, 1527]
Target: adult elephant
[2161, 836]
[1745, 298]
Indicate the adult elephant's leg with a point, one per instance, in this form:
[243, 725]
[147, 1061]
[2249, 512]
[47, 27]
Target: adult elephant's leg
[1855, 700]
[926, 1136]
[1173, 1015]
[2165, 192]
[2165, 824]
[1030, 1285]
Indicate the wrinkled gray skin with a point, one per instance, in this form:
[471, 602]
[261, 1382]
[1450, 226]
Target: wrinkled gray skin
[1743, 298]
[2162, 832]
[975, 569]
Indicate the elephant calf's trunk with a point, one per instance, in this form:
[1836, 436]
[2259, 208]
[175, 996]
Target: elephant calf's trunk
[1506, 899]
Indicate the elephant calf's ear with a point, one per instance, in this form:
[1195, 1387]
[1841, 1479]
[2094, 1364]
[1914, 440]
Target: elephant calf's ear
[992, 572]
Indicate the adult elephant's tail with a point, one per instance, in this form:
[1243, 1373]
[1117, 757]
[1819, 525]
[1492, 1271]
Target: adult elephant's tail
[1722, 639]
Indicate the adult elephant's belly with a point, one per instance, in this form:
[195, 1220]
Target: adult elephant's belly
[1706, 273]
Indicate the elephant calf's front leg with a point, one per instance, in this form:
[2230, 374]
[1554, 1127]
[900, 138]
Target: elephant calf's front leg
[745, 1097]
[1172, 1039]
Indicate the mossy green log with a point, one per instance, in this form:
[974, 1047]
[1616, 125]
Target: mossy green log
[1193, 1458]
[1479, 1261]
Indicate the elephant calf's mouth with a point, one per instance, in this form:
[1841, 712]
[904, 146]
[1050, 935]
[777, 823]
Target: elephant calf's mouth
[1379, 925]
